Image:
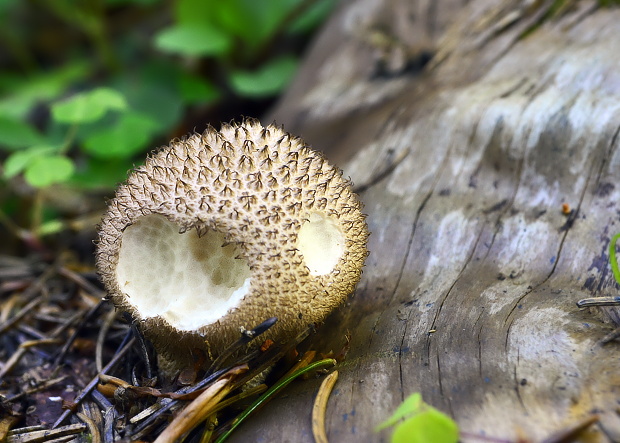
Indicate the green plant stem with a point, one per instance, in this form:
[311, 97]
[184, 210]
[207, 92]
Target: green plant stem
[272, 391]
[69, 138]
[19, 50]
[612, 257]
[37, 212]
[18, 232]
[267, 47]
[89, 17]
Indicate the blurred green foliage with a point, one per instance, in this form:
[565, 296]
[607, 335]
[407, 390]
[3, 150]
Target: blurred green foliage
[87, 86]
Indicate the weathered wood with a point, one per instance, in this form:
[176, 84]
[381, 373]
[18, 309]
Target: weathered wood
[469, 293]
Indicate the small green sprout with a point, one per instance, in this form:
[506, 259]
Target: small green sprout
[612, 257]
[421, 423]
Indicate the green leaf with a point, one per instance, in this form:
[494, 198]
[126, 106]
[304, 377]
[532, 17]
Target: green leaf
[422, 423]
[130, 135]
[410, 406]
[253, 22]
[50, 227]
[45, 171]
[612, 257]
[194, 89]
[312, 17]
[135, 2]
[104, 174]
[425, 427]
[16, 134]
[6, 4]
[193, 40]
[153, 92]
[88, 107]
[266, 81]
[198, 12]
[18, 161]
[22, 94]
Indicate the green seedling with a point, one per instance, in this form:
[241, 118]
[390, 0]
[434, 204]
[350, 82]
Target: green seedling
[418, 422]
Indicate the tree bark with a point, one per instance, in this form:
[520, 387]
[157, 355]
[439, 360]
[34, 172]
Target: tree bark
[504, 111]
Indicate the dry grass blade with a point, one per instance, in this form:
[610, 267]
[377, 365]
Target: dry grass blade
[23, 348]
[81, 282]
[245, 338]
[256, 390]
[598, 301]
[320, 406]
[45, 435]
[85, 317]
[38, 388]
[5, 424]
[107, 324]
[572, 432]
[92, 427]
[199, 409]
[306, 359]
[94, 381]
[17, 317]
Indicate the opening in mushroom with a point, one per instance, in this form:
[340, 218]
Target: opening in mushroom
[190, 281]
[321, 242]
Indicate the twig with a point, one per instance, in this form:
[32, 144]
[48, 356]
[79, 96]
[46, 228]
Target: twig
[572, 432]
[22, 313]
[92, 427]
[598, 301]
[305, 361]
[45, 435]
[144, 352]
[27, 429]
[32, 332]
[272, 355]
[7, 307]
[105, 327]
[156, 415]
[148, 411]
[199, 409]
[23, 348]
[258, 364]
[244, 394]
[5, 425]
[91, 312]
[320, 406]
[210, 425]
[41, 387]
[10, 226]
[611, 336]
[245, 338]
[273, 391]
[37, 285]
[90, 386]
[81, 282]
[108, 426]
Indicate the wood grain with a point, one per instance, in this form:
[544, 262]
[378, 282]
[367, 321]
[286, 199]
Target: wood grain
[516, 113]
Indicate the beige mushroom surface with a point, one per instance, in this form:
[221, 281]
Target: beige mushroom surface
[220, 231]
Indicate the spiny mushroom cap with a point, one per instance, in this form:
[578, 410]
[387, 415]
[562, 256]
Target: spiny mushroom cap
[224, 230]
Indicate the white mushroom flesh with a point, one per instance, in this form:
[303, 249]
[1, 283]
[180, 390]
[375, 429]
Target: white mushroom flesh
[321, 242]
[188, 280]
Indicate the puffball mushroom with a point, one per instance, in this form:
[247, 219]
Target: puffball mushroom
[222, 230]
